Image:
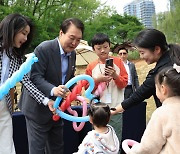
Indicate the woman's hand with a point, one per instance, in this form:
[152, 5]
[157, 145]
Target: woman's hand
[50, 105]
[117, 109]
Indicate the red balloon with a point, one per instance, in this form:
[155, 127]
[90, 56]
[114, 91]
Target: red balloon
[56, 117]
[72, 96]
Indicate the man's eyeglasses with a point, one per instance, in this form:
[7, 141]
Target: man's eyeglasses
[123, 53]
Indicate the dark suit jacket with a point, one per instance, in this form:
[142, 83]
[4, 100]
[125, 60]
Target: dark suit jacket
[45, 74]
[135, 81]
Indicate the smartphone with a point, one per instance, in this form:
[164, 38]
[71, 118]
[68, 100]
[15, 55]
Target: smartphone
[109, 62]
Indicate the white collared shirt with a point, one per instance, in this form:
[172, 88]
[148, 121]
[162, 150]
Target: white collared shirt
[64, 64]
[128, 72]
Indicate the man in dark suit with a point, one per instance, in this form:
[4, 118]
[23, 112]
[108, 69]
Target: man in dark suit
[55, 67]
[133, 82]
[134, 119]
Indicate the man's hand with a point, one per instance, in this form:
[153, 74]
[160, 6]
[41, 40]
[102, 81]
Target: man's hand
[61, 91]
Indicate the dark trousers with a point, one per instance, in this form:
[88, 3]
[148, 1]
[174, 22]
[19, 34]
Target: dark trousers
[134, 120]
[46, 138]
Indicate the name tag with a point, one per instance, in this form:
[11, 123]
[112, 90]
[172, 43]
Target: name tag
[108, 98]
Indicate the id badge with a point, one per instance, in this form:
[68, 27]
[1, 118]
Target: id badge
[108, 98]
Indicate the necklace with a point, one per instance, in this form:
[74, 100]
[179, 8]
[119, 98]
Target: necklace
[107, 83]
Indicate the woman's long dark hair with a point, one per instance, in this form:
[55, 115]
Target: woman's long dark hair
[150, 38]
[9, 27]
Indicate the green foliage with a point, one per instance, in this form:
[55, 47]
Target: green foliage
[48, 14]
[119, 28]
[133, 55]
[169, 23]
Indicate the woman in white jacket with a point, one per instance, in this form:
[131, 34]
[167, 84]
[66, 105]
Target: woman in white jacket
[162, 135]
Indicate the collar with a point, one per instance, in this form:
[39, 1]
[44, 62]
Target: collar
[164, 59]
[61, 49]
[127, 62]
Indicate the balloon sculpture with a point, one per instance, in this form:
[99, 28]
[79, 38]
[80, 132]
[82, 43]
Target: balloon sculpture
[83, 81]
[74, 95]
[18, 75]
[126, 143]
[76, 91]
[100, 89]
[81, 125]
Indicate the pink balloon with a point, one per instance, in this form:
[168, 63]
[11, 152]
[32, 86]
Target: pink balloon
[84, 113]
[126, 143]
[101, 87]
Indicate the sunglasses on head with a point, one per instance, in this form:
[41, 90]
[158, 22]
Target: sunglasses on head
[123, 53]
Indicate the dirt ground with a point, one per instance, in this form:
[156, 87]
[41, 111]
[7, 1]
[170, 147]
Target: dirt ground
[142, 70]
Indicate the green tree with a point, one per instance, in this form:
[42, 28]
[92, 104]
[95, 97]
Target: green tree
[169, 22]
[48, 14]
[119, 28]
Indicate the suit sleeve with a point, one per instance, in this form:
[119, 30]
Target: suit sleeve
[145, 91]
[39, 70]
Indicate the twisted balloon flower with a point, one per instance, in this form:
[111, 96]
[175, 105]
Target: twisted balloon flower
[84, 112]
[77, 90]
[72, 96]
[18, 75]
[101, 87]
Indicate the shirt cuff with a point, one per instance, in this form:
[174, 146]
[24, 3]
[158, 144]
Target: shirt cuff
[52, 92]
[45, 101]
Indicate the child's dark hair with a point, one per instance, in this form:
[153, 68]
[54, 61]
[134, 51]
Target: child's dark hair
[99, 39]
[171, 78]
[100, 113]
[9, 27]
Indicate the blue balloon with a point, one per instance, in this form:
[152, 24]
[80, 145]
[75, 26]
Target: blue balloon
[88, 94]
[18, 75]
